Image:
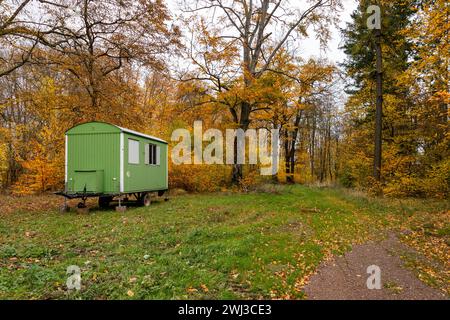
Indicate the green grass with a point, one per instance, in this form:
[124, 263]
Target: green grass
[214, 246]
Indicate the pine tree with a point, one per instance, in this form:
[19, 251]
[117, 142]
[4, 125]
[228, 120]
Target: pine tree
[361, 68]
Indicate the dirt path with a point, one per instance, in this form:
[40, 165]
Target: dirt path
[344, 278]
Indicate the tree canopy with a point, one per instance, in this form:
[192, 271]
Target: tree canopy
[230, 64]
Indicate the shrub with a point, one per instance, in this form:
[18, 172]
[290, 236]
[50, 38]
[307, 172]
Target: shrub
[347, 179]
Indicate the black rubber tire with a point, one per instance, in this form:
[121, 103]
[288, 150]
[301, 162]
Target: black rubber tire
[103, 202]
[161, 193]
[145, 200]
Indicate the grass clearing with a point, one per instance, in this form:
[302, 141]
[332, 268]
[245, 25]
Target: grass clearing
[210, 246]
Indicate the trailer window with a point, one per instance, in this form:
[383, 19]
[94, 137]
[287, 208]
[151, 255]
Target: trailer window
[151, 154]
[133, 151]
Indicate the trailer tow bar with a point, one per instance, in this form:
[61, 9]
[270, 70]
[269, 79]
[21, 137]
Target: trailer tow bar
[82, 204]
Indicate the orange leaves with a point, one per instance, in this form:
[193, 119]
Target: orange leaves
[192, 290]
[204, 288]
[44, 170]
[205, 178]
[428, 233]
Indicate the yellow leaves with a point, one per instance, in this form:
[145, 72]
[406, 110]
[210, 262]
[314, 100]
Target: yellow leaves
[214, 51]
[198, 178]
[3, 160]
[193, 290]
[428, 234]
[41, 173]
[130, 293]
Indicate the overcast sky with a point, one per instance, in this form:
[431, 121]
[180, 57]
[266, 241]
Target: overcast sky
[310, 47]
[333, 53]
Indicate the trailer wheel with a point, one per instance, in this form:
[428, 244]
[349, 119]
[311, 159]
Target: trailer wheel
[103, 202]
[161, 193]
[145, 200]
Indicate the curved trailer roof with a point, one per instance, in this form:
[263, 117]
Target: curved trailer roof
[136, 133]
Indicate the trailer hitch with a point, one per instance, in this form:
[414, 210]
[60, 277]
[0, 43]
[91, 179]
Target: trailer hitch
[84, 197]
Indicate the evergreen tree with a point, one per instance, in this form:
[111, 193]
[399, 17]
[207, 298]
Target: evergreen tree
[399, 146]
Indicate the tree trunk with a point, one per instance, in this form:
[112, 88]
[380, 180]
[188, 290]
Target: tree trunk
[290, 148]
[312, 152]
[237, 173]
[287, 158]
[292, 169]
[238, 169]
[330, 171]
[379, 109]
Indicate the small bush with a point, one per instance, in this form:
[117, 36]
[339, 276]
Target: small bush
[347, 180]
[202, 178]
[269, 188]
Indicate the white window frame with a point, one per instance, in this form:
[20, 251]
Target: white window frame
[152, 154]
[133, 153]
[158, 155]
[146, 154]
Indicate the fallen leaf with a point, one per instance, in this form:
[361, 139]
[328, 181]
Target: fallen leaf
[191, 290]
[204, 287]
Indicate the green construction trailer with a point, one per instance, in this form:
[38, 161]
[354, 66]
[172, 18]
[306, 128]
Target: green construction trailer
[110, 162]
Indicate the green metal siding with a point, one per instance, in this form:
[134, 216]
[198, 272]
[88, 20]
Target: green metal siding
[94, 159]
[144, 177]
[91, 181]
[93, 152]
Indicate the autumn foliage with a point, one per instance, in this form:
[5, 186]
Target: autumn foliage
[135, 68]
